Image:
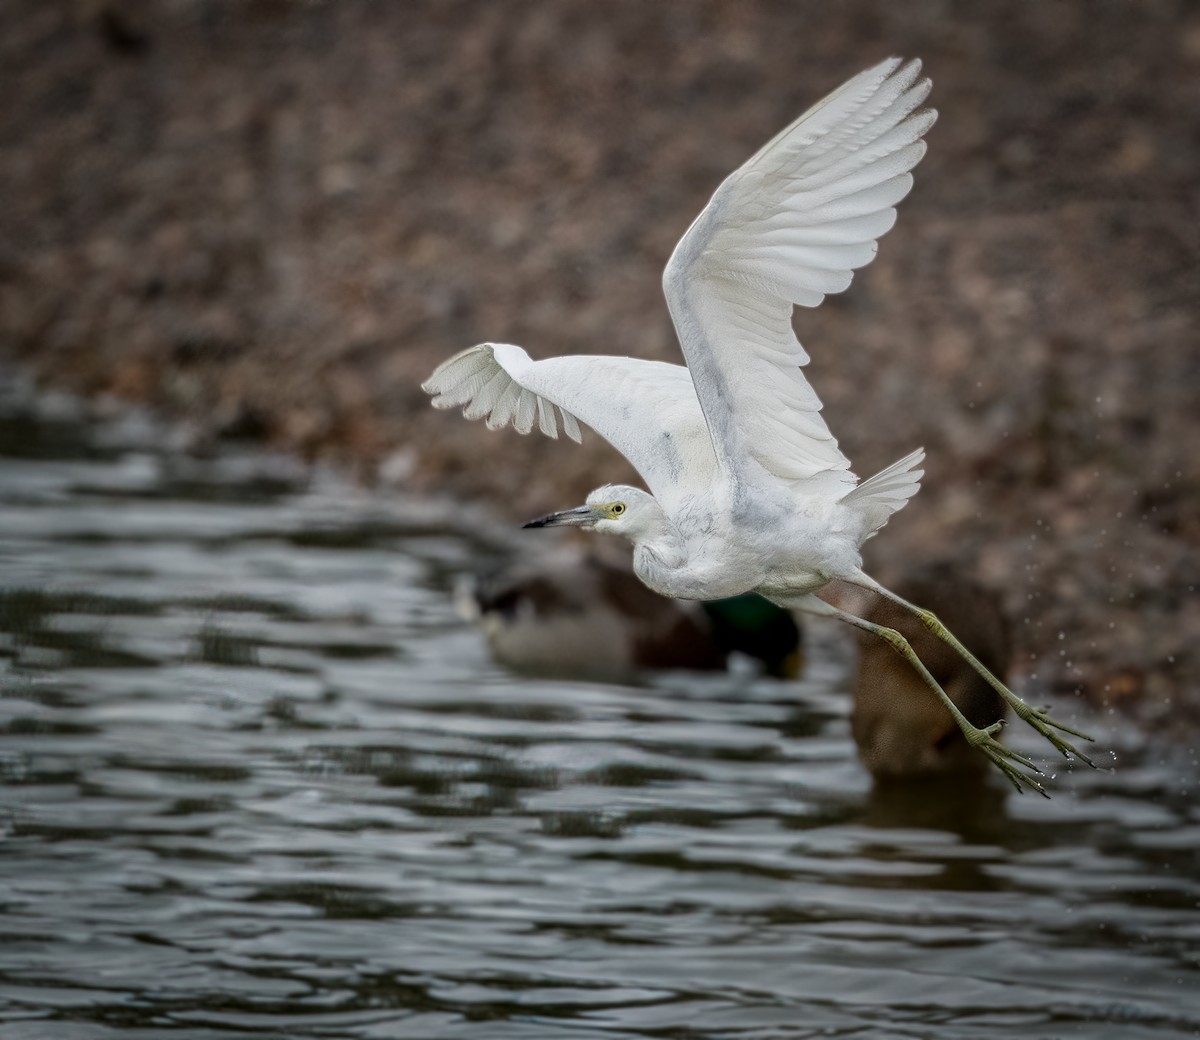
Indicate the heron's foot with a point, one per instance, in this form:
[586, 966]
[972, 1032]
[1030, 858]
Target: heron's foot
[1040, 720]
[1006, 758]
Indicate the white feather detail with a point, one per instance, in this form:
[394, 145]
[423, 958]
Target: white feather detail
[526, 410]
[887, 492]
[570, 426]
[546, 421]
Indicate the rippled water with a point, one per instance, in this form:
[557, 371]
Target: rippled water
[257, 779]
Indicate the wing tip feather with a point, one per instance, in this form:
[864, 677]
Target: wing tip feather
[488, 389]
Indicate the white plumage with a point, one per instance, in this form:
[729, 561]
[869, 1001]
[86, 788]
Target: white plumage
[750, 492]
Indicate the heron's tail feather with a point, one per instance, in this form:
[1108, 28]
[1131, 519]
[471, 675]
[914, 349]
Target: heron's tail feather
[878, 497]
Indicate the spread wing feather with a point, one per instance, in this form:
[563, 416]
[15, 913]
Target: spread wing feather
[647, 410]
[878, 497]
[787, 228]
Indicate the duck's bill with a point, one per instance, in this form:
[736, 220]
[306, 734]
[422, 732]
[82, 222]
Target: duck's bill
[567, 518]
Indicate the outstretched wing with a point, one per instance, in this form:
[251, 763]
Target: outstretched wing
[785, 229]
[647, 410]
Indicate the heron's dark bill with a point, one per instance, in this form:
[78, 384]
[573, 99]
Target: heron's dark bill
[566, 518]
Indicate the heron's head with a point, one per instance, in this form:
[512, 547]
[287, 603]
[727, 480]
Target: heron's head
[612, 509]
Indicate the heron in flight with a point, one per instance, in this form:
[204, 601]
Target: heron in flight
[749, 490]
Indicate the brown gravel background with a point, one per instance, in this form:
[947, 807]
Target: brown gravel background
[274, 218]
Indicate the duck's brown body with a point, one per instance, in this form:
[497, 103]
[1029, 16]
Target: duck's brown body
[903, 731]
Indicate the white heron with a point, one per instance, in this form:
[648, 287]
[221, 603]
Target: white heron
[750, 492]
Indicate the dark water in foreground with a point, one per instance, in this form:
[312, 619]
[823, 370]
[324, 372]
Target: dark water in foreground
[257, 780]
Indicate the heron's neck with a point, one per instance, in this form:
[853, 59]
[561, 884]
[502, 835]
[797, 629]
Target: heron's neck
[658, 554]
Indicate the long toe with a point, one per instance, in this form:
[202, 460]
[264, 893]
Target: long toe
[1046, 726]
[1009, 761]
[1021, 780]
[1006, 760]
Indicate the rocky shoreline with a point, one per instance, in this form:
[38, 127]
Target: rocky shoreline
[273, 219]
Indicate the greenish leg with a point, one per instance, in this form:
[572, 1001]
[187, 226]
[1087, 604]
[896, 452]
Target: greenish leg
[1036, 717]
[983, 739]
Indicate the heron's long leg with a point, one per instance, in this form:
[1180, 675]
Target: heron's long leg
[1036, 717]
[983, 739]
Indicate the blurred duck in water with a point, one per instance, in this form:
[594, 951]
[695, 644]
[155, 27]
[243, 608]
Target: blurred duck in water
[901, 730]
[579, 613]
[575, 613]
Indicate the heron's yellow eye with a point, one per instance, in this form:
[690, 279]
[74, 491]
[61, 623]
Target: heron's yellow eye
[617, 508]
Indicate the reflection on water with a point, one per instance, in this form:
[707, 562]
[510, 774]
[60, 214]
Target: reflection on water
[257, 779]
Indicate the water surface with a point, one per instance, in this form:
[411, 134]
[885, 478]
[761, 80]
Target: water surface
[257, 779]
